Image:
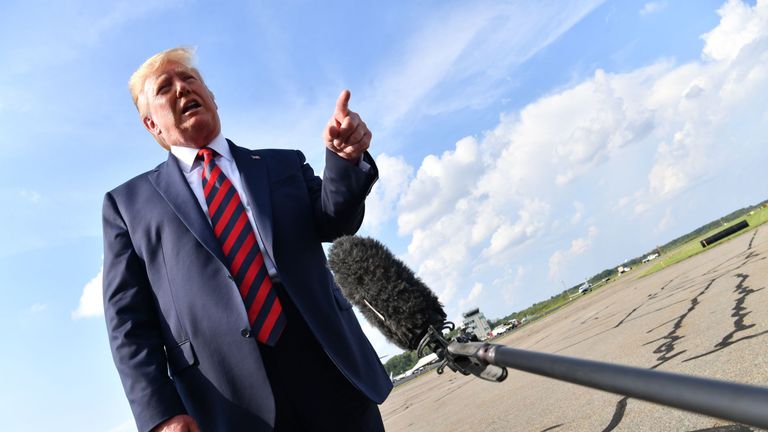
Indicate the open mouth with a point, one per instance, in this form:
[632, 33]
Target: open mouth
[189, 106]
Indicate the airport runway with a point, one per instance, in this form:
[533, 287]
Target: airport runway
[705, 316]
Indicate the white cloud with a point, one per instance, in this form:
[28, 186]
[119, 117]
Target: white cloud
[395, 175]
[91, 304]
[37, 308]
[474, 293]
[494, 203]
[653, 7]
[439, 183]
[441, 253]
[530, 222]
[740, 25]
[577, 247]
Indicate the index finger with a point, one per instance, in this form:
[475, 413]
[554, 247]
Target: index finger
[342, 105]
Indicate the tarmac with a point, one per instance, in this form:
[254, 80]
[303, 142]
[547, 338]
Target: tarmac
[705, 316]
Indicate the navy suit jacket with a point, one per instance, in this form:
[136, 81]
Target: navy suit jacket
[174, 315]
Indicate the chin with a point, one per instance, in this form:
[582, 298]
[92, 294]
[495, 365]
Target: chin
[202, 130]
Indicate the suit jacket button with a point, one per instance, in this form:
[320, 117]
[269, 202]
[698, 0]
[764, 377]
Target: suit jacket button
[245, 333]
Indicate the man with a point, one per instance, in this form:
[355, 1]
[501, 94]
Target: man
[221, 312]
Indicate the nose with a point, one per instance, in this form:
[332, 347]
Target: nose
[181, 88]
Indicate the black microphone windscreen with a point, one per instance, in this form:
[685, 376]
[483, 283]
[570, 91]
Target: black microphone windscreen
[386, 291]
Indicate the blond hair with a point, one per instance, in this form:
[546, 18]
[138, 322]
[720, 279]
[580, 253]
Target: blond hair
[184, 56]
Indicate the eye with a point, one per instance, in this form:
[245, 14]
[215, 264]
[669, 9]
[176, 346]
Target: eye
[162, 86]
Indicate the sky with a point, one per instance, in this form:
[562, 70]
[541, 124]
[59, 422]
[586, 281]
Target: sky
[522, 146]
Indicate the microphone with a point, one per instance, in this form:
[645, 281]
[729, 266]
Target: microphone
[394, 300]
[386, 291]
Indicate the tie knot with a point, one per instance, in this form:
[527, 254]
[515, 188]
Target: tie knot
[206, 153]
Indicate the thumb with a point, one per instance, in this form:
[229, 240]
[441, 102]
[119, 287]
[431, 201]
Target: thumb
[342, 105]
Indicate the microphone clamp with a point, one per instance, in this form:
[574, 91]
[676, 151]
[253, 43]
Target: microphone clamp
[460, 355]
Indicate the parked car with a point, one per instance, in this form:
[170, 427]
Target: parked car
[585, 288]
[624, 269]
[500, 330]
[650, 257]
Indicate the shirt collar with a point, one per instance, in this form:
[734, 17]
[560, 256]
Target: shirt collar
[187, 156]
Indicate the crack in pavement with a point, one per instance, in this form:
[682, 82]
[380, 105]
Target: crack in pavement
[670, 339]
[649, 298]
[751, 240]
[666, 350]
[740, 312]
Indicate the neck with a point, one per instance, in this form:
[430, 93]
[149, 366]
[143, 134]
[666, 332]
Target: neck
[198, 141]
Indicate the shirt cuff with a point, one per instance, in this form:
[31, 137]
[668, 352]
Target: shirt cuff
[363, 165]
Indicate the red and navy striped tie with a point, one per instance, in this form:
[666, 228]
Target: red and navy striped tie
[244, 258]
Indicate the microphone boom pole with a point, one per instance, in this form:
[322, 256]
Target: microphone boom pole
[741, 403]
[410, 315]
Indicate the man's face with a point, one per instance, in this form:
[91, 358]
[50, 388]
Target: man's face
[180, 108]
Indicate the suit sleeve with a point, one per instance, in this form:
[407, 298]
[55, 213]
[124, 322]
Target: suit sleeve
[133, 326]
[339, 199]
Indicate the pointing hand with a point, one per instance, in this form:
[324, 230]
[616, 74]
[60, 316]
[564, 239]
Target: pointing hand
[346, 134]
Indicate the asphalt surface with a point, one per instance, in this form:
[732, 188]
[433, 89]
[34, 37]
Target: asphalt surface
[705, 316]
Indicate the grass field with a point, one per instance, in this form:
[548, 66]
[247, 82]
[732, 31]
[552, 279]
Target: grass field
[691, 248]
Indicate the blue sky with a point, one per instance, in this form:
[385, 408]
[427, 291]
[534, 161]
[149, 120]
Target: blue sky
[522, 146]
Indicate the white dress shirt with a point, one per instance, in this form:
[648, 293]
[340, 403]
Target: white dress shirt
[192, 167]
[193, 171]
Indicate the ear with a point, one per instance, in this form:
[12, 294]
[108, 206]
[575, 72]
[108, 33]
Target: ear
[151, 126]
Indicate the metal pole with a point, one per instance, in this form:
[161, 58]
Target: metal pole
[742, 403]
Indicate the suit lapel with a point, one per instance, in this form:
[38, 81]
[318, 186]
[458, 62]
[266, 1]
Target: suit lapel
[172, 185]
[255, 179]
